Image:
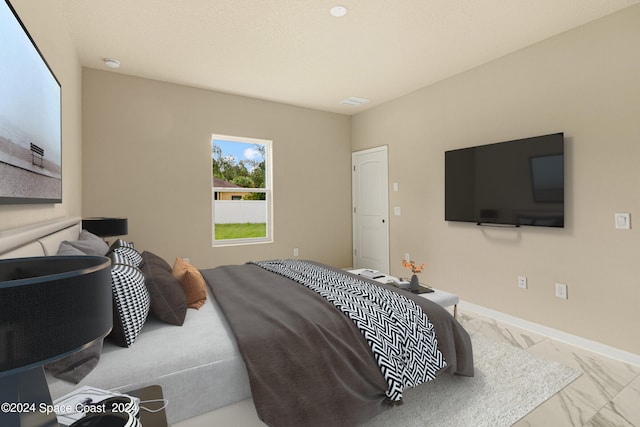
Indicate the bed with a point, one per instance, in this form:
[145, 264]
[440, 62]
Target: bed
[202, 366]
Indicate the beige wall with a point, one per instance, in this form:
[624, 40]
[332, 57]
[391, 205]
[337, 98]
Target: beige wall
[46, 26]
[147, 156]
[145, 147]
[584, 83]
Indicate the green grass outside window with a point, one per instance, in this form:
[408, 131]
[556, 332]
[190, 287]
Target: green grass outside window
[240, 231]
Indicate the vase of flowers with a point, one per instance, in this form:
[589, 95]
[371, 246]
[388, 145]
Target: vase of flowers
[415, 270]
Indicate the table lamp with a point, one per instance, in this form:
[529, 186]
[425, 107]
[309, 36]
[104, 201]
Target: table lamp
[50, 307]
[106, 227]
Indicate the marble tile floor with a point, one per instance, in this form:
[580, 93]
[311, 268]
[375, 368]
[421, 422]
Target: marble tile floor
[607, 394]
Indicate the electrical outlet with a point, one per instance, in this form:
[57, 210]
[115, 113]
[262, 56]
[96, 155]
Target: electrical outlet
[407, 257]
[185, 259]
[561, 291]
[522, 282]
[296, 252]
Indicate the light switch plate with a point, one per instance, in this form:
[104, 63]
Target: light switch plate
[623, 221]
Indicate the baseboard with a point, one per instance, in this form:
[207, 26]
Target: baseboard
[574, 340]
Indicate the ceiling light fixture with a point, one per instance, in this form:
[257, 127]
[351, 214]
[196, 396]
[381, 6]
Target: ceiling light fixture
[338, 11]
[111, 63]
[354, 100]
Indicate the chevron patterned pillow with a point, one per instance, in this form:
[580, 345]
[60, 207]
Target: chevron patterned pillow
[131, 303]
[126, 249]
[131, 254]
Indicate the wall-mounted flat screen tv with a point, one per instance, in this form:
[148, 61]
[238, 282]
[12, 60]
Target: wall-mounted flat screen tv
[30, 118]
[519, 182]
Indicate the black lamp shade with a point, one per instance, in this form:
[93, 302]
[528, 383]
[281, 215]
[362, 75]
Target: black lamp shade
[51, 307]
[106, 227]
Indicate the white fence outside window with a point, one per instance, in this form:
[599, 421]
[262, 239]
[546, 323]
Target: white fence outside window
[240, 211]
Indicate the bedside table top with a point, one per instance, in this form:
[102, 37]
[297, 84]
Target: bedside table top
[442, 298]
[151, 398]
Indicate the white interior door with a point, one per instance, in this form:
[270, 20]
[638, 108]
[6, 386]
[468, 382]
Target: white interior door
[370, 193]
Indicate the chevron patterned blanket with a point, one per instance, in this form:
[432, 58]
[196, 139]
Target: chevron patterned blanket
[401, 337]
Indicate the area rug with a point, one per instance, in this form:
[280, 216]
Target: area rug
[508, 384]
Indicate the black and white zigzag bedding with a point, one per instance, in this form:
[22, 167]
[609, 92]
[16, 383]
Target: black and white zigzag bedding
[400, 335]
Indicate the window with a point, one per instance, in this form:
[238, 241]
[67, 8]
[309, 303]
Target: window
[241, 176]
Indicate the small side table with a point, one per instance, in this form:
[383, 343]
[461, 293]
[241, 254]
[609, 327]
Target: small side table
[445, 299]
[151, 397]
[442, 298]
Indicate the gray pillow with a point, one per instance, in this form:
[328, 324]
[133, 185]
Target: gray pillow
[88, 244]
[66, 249]
[168, 301]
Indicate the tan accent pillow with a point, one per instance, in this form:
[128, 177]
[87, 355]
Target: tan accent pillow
[192, 282]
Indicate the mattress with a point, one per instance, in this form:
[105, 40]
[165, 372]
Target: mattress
[197, 364]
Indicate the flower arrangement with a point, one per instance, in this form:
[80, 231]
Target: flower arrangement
[411, 265]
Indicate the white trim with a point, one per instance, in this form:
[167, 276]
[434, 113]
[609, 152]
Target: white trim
[574, 340]
[372, 150]
[231, 138]
[236, 242]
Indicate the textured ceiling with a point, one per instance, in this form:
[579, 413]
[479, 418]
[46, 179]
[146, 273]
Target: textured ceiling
[294, 51]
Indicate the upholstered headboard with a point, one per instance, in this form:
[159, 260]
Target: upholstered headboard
[39, 239]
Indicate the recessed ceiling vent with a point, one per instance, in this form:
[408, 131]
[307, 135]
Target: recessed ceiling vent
[354, 100]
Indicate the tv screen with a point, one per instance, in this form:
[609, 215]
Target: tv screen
[30, 118]
[519, 182]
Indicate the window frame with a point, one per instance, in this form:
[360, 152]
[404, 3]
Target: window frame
[268, 190]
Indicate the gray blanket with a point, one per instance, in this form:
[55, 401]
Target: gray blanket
[308, 364]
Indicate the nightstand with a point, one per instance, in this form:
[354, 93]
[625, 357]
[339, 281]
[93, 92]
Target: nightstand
[151, 397]
[146, 395]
